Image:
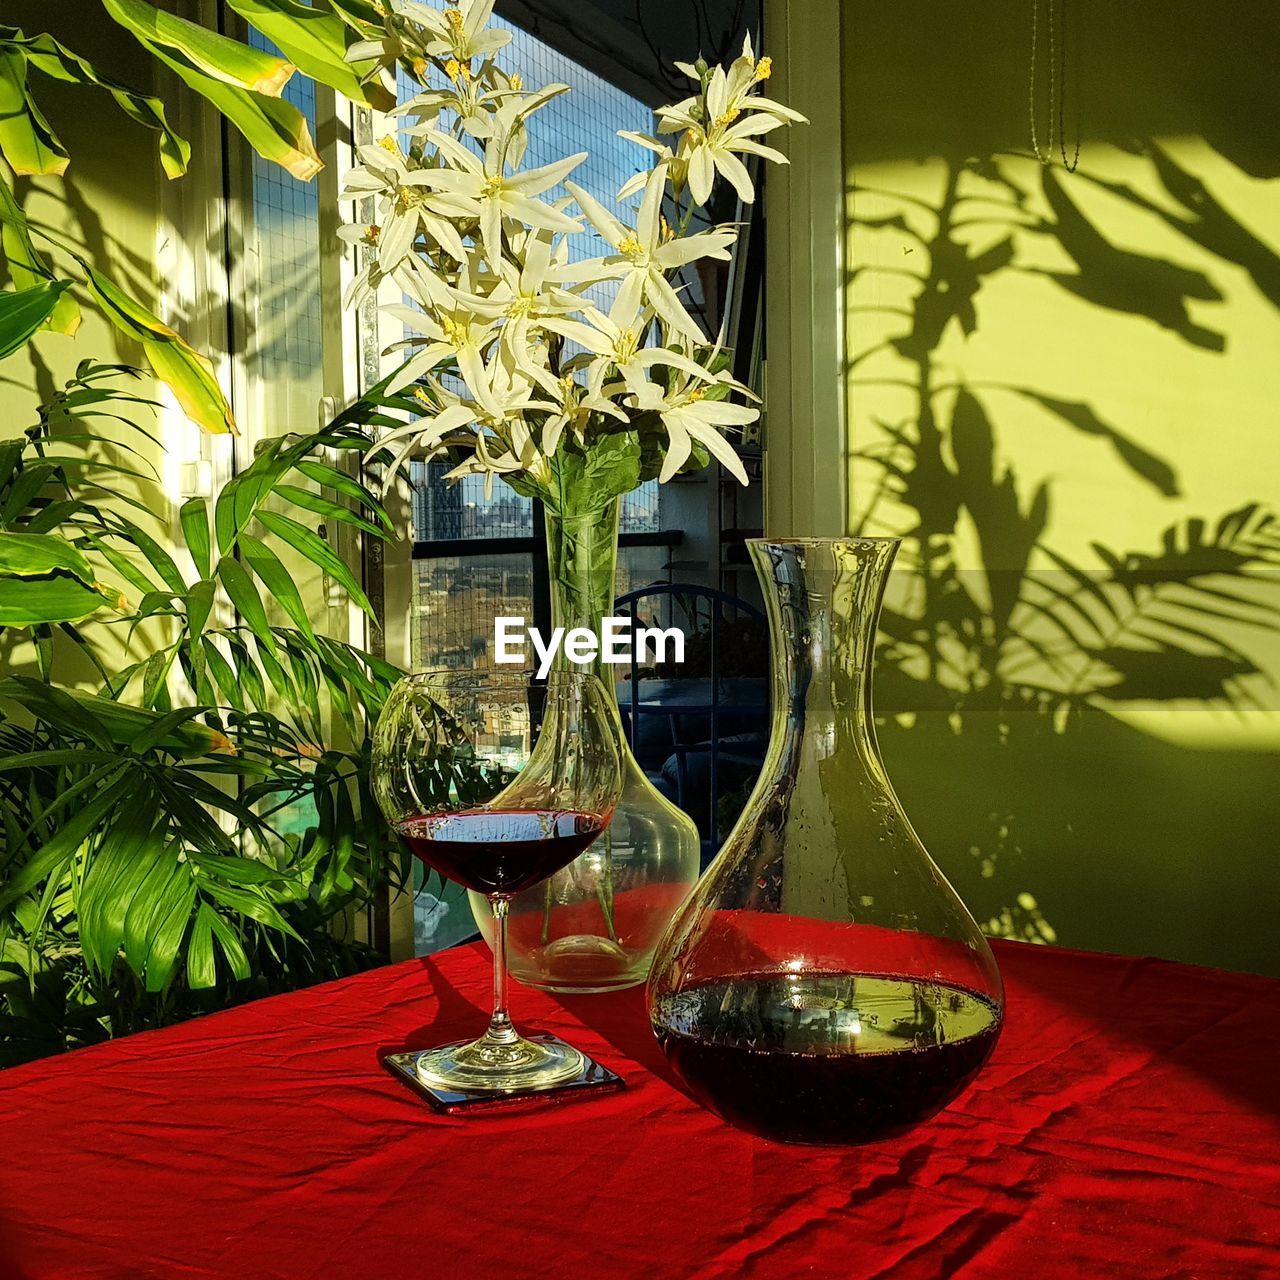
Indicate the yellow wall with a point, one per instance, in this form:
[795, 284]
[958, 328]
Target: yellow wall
[1110, 337]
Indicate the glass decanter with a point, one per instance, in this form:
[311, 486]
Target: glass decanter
[594, 926]
[824, 983]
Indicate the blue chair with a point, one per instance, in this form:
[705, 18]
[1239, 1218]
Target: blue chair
[686, 725]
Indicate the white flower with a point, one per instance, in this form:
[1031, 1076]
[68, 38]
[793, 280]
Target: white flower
[528, 297]
[619, 347]
[505, 351]
[716, 130]
[643, 256]
[677, 167]
[688, 416]
[457, 31]
[491, 194]
[406, 205]
[447, 330]
[577, 409]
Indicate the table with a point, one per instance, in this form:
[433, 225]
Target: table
[1126, 1126]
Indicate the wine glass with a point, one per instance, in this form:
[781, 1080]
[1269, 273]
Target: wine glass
[497, 781]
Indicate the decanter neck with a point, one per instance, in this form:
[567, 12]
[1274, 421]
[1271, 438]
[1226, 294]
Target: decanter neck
[823, 598]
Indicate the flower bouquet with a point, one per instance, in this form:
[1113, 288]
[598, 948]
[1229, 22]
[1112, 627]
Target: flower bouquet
[549, 342]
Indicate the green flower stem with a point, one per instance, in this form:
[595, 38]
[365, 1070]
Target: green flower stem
[582, 558]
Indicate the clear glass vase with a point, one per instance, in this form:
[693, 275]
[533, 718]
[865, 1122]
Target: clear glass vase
[824, 983]
[595, 925]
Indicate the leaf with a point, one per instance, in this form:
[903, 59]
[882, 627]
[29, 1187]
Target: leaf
[240, 498]
[199, 606]
[247, 903]
[317, 551]
[276, 130]
[166, 940]
[270, 663]
[277, 580]
[316, 42]
[177, 364]
[162, 729]
[155, 680]
[229, 941]
[223, 675]
[54, 59]
[159, 559]
[211, 54]
[121, 564]
[202, 970]
[30, 602]
[587, 480]
[244, 595]
[348, 486]
[195, 529]
[149, 905]
[26, 265]
[22, 313]
[239, 870]
[322, 506]
[104, 722]
[244, 84]
[27, 141]
[130, 848]
[247, 674]
[33, 555]
[54, 854]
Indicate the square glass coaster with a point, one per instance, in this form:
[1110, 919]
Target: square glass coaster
[593, 1078]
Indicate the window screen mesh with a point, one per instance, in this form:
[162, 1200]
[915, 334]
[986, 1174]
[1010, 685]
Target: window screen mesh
[285, 256]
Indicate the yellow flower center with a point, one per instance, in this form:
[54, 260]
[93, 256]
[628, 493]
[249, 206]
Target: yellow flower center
[455, 18]
[410, 198]
[631, 248]
[519, 307]
[420, 394]
[452, 68]
[420, 67]
[372, 233]
[727, 119]
[455, 332]
[626, 346]
[764, 68]
[491, 188]
[696, 394]
[517, 82]
[389, 144]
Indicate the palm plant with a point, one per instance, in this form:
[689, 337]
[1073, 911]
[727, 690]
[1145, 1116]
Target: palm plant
[193, 830]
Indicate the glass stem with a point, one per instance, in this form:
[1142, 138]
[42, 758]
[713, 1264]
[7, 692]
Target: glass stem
[500, 1029]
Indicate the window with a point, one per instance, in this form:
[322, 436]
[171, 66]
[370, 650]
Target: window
[476, 558]
[280, 330]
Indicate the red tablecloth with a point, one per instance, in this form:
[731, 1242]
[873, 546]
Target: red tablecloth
[1126, 1126]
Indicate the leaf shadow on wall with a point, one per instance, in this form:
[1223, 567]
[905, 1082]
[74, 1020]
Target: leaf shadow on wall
[1003, 658]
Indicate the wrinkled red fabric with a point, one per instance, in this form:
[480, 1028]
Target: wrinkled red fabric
[1125, 1126]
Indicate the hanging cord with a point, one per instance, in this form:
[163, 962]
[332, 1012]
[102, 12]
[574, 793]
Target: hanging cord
[1055, 24]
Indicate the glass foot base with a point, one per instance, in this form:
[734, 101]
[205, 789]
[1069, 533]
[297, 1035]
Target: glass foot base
[583, 964]
[463, 1075]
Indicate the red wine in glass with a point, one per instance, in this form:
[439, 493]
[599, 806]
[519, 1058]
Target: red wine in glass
[496, 851]
[825, 1057]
